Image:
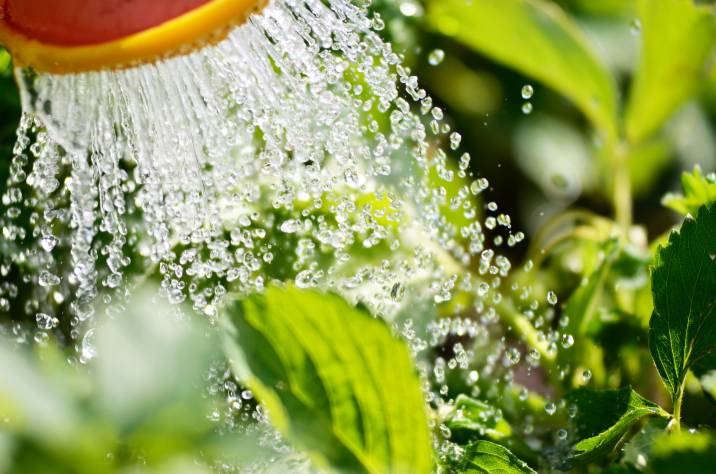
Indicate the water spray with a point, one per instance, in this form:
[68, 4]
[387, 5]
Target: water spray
[230, 143]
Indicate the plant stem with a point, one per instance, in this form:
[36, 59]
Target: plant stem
[622, 200]
[676, 416]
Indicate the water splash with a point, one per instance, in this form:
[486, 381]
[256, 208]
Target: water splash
[297, 128]
[297, 149]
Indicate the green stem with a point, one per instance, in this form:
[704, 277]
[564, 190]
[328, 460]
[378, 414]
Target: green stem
[622, 200]
[676, 417]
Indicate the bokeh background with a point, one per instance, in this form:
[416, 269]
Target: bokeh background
[545, 162]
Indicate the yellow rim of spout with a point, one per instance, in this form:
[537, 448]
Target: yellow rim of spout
[206, 24]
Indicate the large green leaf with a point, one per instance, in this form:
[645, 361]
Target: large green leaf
[538, 39]
[490, 458]
[677, 37]
[682, 329]
[603, 417]
[335, 380]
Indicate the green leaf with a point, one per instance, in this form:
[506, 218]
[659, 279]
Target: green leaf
[699, 190]
[682, 328]
[603, 417]
[477, 416]
[335, 381]
[582, 304]
[490, 458]
[677, 37]
[538, 39]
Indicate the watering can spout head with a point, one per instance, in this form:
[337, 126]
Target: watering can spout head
[71, 36]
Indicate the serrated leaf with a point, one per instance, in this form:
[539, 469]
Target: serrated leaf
[479, 417]
[335, 380]
[677, 37]
[699, 190]
[490, 458]
[682, 328]
[538, 39]
[603, 417]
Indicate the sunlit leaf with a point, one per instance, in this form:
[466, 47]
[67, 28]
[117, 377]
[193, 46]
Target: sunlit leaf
[603, 417]
[478, 417]
[677, 37]
[682, 329]
[335, 380]
[699, 190]
[538, 39]
[490, 458]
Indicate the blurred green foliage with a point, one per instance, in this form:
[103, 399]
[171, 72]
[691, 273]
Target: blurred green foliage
[143, 405]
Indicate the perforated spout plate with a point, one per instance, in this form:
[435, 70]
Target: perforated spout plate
[70, 36]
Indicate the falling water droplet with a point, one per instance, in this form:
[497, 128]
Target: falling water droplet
[305, 279]
[46, 321]
[88, 350]
[378, 23]
[551, 298]
[527, 108]
[512, 356]
[436, 57]
[527, 91]
[586, 375]
[455, 139]
[48, 242]
[289, 226]
[48, 279]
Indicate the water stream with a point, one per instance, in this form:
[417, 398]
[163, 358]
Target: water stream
[297, 149]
